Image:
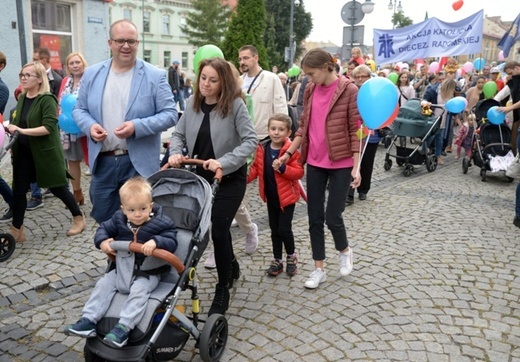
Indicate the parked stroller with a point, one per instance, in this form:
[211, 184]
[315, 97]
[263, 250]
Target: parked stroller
[489, 140]
[410, 122]
[7, 242]
[165, 328]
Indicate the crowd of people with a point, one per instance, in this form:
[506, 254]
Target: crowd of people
[249, 122]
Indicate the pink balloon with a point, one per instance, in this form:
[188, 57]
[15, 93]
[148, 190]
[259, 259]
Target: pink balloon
[501, 55]
[459, 72]
[386, 71]
[2, 135]
[468, 67]
[434, 67]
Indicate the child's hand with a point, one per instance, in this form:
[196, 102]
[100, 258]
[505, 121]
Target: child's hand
[276, 164]
[149, 247]
[105, 247]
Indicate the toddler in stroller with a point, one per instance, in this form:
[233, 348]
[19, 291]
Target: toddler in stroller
[490, 142]
[138, 220]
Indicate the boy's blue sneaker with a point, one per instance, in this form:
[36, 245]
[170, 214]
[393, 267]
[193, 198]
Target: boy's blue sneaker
[83, 328]
[118, 336]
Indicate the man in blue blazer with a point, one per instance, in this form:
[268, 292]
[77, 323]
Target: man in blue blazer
[123, 106]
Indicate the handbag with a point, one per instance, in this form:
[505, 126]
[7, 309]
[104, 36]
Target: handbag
[513, 170]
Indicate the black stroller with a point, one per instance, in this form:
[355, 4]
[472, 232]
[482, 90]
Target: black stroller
[165, 327]
[7, 242]
[410, 122]
[489, 140]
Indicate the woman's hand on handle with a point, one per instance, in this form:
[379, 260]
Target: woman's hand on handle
[212, 165]
[176, 160]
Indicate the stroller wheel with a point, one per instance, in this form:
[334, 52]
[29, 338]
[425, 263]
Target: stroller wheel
[431, 163]
[408, 169]
[388, 165]
[465, 165]
[7, 246]
[483, 174]
[213, 338]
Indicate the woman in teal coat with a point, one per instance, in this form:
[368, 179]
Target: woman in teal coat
[38, 155]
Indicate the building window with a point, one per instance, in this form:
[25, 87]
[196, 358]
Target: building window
[166, 25]
[182, 24]
[146, 22]
[185, 60]
[147, 56]
[167, 59]
[127, 14]
[52, 29]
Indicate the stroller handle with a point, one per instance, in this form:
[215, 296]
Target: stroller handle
[197, 162]
[162, 254]
[14, 137]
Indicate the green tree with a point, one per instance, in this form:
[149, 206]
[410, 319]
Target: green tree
[400, 20]
[207, 24]
[247, 26]
[280, 10]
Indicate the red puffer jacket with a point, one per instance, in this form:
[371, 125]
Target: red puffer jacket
[287, 182]
[341, 122]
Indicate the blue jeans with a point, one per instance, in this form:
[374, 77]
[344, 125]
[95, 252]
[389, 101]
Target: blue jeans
[331, 213]
[110, 174]
[36, 191]
[6, 192]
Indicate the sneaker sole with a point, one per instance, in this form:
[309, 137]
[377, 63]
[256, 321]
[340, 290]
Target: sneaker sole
[210, 266]
[114, 343]
[85, 334]
[34, 208]
[274, 274]
[4, 221]
[314, 287]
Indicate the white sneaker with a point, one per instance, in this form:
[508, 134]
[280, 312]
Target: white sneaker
[317, 276]
[210, 263]
[252, 240]
[234, 223]
[346, 262]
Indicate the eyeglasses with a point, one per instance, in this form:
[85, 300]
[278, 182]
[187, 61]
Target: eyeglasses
[244, 59]
[121, 42]
[26, 76]
[361, 76]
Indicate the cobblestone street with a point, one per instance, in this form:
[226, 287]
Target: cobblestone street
[436, 278]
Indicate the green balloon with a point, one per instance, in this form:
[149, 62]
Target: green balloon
[393, 77]
[290, 72]
[296, 70]
[490, 89]
[206, 52]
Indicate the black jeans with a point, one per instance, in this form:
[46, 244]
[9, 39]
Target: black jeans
[24, 172]
[332, 212]
[227, 200]
[280, 222]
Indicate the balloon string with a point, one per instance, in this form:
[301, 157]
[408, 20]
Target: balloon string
[362, 149]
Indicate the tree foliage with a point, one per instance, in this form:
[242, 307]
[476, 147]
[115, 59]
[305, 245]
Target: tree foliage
[247, 26]
[400, 20]
[207, 24]
[280, 10]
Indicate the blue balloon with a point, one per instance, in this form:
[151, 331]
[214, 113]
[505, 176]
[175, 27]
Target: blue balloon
[495, 116]
[479, 63]
[376, 100]
[68, 125]
[67, 104]
[456, 105]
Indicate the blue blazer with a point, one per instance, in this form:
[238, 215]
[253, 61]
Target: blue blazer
[150, 107]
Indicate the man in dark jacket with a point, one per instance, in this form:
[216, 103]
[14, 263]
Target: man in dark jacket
[54, 78]
[174, 80]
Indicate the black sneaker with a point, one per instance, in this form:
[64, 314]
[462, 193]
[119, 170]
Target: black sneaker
[83, 328]
[8, 216]
[291, 267]
[275, 268]
[34, 204]
[350, 200]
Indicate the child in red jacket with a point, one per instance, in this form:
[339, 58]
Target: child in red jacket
[278, 186]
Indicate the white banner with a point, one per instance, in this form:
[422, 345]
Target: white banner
[430, 38]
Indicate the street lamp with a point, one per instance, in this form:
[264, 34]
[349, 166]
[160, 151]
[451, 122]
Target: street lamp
[396, 7]
[292, 47]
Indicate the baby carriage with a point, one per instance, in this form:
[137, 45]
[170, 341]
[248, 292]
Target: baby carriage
[7, 242]
[410, 122]
[489, 140]
[164, 329]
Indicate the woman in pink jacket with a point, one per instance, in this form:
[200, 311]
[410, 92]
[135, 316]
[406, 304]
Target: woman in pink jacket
[330, 147]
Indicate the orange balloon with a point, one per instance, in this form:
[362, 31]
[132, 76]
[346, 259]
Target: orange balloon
[391, 118]
[1, 118]
[457, 5]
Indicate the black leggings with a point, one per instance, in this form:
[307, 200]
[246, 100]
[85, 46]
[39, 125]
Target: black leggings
[24, 173]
